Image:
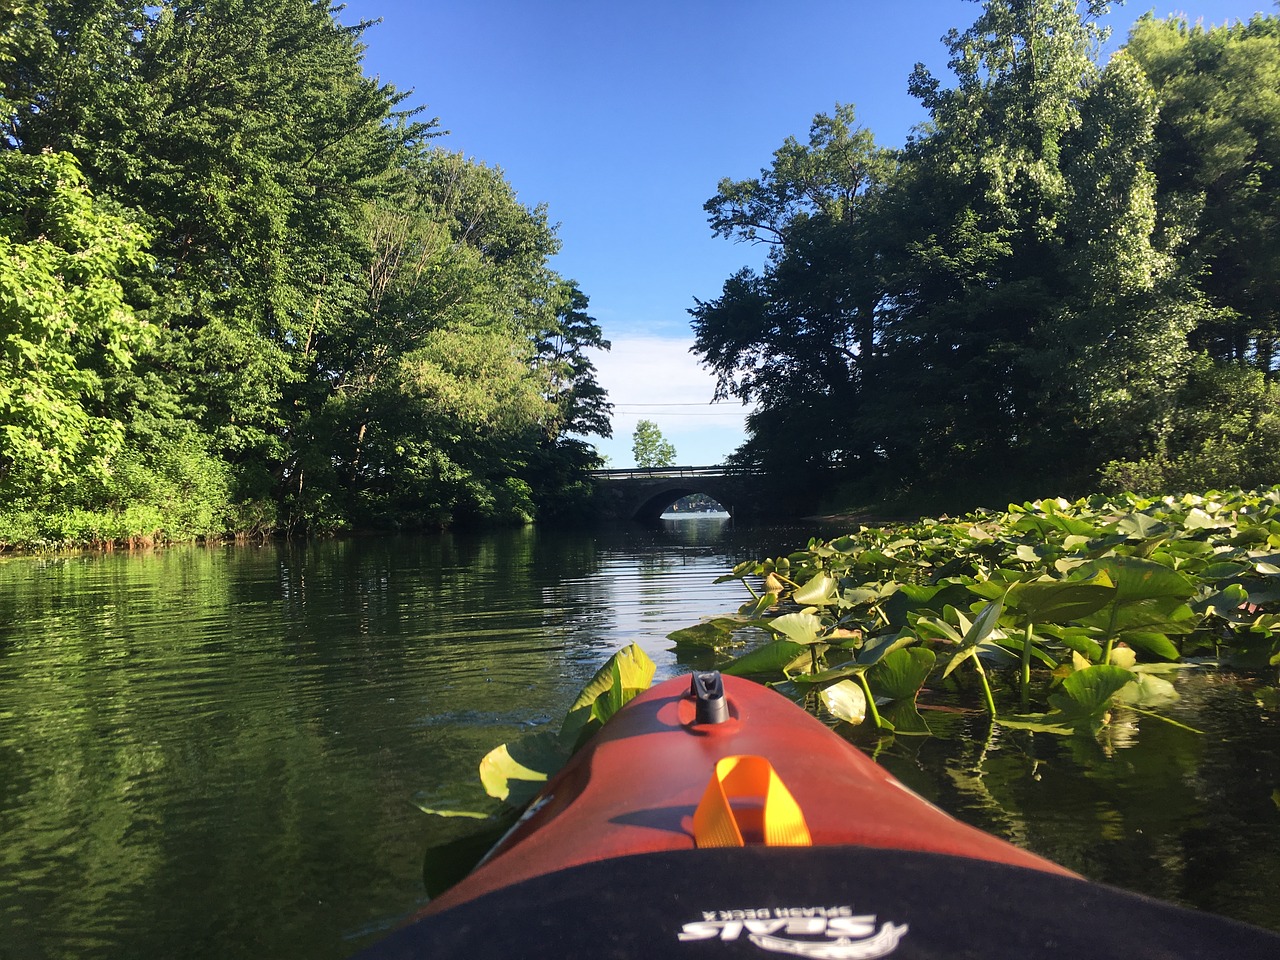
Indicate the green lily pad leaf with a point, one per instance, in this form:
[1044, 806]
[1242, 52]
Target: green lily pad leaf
[798, 627]
[515, 772]
[1138, 579]
[612, 698]
[988, 589]
[1197, 519]
[1088, 692]
[845, 701]
[1076, 528]
[758, 606]
[1148, 691]
[1141, 526]
[908, 598]
[877, 647]
[770, 658]
[1060, 601]
[902, 717]
[1077, 638]
[818, 592]
[1155, 644]
[900, 674]
[1223, 570]
[457, 804]
[1037, 723]
[928, 628]
[981, 628]
[1225, 602]
[845, 544]
[1167, 615]
[439, 812]
[875, 560]
[709, 635]
[625, 674]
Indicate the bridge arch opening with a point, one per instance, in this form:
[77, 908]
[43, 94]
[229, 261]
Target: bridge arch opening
[692, 503]
[645, 493]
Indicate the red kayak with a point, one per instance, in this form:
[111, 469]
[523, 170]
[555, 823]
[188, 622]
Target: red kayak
[713, 818]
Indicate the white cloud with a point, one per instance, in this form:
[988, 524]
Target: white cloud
[658, 379]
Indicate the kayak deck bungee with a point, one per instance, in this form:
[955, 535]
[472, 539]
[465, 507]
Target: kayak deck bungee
[709, 820]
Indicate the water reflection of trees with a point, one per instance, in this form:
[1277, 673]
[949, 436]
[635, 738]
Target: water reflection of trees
[1146, 806]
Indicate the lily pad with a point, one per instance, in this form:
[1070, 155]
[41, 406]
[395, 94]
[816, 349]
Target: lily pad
[798, 627]
[1087, 693]
[773, 657]
[627, 673]
[515, 772]
[818, 592]
[845, 701]
[714, 634]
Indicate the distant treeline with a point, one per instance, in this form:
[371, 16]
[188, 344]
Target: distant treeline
[1069, 277]
[241, 289]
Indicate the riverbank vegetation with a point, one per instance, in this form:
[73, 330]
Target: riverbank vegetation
[1048, 616]
[242, 290]
[1065, 281]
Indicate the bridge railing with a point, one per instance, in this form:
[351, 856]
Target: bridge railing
[659, 473]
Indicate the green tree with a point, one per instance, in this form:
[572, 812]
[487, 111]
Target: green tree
[1218, 164]
[350, 325]
[459, 300]
[799, 339]
[581, 405]
[67, 334]
[1027, 335]
[649, 447]
[244, 138]
[990, 308]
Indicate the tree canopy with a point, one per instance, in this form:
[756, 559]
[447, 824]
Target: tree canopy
[650, 448]
[288, 302]
[1017, 297]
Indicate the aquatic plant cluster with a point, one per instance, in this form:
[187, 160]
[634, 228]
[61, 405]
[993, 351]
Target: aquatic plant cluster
[1056, 612]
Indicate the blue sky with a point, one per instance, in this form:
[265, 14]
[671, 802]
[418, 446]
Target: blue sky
[622, 117]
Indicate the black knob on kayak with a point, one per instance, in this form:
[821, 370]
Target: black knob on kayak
[707, 691]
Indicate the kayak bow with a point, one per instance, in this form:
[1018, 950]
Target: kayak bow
[713, 818]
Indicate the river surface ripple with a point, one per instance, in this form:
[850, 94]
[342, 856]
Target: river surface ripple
[216, 752]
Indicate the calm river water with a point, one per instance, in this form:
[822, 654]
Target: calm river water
[217, 752]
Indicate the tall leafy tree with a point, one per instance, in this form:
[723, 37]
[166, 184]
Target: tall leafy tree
[991, 308]
[457, 290]
[799, 339]
[67, 334]
[1003, 298]
[650, 448]
[350, 324]
[581, 406]
[1218, 164]
[243, 137]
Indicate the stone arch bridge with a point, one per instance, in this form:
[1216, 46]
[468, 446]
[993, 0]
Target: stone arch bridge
[644, 493]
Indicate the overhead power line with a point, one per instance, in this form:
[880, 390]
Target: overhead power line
[720, 406]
